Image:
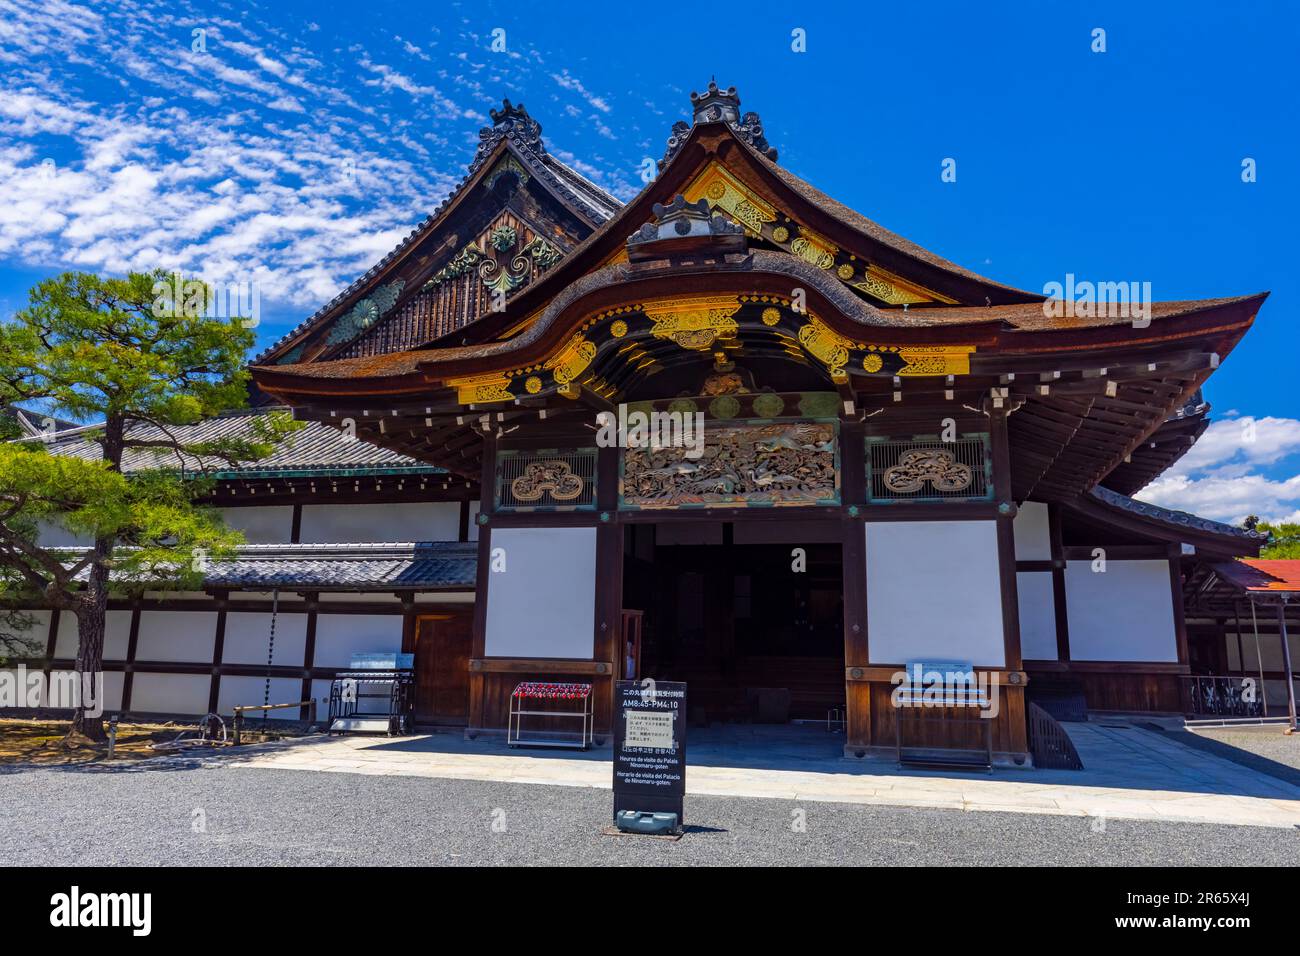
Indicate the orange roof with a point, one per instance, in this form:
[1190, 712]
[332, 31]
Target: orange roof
[1262, 574]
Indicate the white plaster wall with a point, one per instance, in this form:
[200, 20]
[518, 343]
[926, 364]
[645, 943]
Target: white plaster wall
[544, 603]
[262, 524]
[1033, 539]
[339, 636]
[117, 635]
[113, 689]
[50, 534]
[474, 507]
[1125, 613]
[403, 521]
[320, 692]
[248, 632]
[176, 636]
[241, 691]
[933, 591]
[1037, 615]
[170, 693]
[38, 635]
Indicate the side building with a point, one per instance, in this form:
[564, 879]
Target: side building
[350, 549]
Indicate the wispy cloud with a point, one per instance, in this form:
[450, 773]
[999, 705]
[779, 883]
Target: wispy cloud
[159, 134]
[1240, 466]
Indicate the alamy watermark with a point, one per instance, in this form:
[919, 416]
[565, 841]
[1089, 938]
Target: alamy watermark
[192, 298]
[1084, 299]
[936, 684]
[639, 429]
[61, 690]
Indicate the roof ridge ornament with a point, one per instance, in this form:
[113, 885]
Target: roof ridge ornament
[679, 220]
[716, 105]
[513, 123]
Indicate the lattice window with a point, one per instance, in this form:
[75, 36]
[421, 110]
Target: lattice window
[546, 479]
[928, 469]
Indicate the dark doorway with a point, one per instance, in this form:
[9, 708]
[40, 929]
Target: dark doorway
[750, 616]
[443, 643]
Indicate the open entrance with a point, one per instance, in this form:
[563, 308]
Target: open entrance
[750, 614]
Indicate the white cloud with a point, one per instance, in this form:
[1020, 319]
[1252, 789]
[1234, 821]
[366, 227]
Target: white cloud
[1223, 475]
[569, 82]
[278, 151]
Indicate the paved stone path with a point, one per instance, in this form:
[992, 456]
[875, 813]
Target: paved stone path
[1130, 773]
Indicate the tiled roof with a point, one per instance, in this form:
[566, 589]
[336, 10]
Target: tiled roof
[349, 567]
[423, 565]
[1262, 575]
[1182, 519]
[313, 449]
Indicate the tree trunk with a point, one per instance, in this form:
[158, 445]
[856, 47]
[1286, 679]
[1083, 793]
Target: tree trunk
[92, 613]
[93, 609]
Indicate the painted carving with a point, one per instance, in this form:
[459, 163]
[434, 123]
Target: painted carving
[366, 312]
[694, 323]
[725, 192]
[940, 469]
[825, 344]
[540, 477]
[572, 360]
[742, 464]
[498, 274]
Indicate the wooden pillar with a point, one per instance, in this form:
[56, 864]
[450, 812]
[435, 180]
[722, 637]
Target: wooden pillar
[487, 503]
[1286, 664]
[218, 649]
[1001, 452]
[308, 655]
[128, 679]
[1176, 595]
[51, 643]
[1013, 690]
[853, 558]
[1057, 545]
[607, 643]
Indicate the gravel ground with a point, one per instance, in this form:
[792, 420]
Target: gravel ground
[1268, 742]
[222, 815]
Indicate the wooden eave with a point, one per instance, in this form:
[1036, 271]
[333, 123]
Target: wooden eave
[1209, 543]
[999, 350]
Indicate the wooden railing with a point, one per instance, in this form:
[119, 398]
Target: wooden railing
[1048, 741]
[1218, 696]
[240, 711]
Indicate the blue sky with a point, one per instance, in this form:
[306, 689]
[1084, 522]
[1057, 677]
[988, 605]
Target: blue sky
[301, 141]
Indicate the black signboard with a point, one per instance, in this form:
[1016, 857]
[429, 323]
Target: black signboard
[649, 747]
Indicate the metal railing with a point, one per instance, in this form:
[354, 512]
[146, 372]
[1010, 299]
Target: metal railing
[1221, 696]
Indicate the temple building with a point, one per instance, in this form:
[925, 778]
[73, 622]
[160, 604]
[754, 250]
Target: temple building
[901, 461]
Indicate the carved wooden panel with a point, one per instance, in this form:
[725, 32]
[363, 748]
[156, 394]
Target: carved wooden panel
[745, 464]
[924, 469]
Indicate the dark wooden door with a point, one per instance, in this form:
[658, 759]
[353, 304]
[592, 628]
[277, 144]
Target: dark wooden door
[442, 650]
